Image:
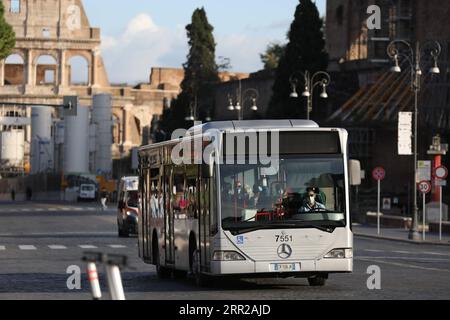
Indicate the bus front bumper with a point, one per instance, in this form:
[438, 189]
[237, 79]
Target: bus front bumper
[293, 267]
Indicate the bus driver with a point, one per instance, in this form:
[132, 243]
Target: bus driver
[312, 202]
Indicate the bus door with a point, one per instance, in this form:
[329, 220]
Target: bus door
[169, 232]
[204, 223]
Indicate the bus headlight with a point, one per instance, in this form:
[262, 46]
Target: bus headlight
[131, 213]
[227, 256]
[340, 254]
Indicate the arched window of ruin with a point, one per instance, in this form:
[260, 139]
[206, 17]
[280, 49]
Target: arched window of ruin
[46, 70]
[14, 70]
[79, 71]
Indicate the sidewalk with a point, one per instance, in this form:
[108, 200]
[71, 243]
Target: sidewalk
[398, 235]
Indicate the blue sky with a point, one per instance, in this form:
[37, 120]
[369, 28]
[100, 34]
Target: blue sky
[140, 34]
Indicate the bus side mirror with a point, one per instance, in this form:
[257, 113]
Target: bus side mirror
[355, 172]
[208, 168]
[121, 205]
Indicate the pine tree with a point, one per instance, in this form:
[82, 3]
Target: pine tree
[271, 57]
[7, 35]
[201, 73]
[304, 51]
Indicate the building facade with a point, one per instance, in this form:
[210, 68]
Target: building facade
[54, 43]
[371, 114]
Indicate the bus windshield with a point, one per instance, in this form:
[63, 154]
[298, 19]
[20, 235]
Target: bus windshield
[302, 191]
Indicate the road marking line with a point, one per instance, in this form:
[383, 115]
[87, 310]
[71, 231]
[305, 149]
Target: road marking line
[52, 234]
[88, 247]
[437, 254]
[57, 247]
[370, 250]
[26, 247]
[410, 259]
[117, 246]
[2, 248]
[51, 209]
[38, 210]
[401, 265]
[403, 252]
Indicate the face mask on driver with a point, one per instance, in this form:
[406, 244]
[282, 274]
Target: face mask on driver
[312, 200]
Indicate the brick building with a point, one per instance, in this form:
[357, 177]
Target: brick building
[371, 114]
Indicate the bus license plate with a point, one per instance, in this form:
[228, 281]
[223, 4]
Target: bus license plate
[285, 267]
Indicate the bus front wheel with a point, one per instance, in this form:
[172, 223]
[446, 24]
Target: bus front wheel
[317, 281]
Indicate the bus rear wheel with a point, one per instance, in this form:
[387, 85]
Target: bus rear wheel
[317, 281]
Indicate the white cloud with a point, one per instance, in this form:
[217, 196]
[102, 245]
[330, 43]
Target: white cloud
[243, 50]
[130, 56]
[143, 44]
[140, 23]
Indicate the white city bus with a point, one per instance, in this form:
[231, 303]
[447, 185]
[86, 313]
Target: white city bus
[237, 215]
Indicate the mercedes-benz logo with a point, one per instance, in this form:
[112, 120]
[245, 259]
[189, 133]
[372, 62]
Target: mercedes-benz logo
[284, 251]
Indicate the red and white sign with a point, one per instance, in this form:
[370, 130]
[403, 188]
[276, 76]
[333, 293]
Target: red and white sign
[441, 172]
[379, 174]
[425, 187]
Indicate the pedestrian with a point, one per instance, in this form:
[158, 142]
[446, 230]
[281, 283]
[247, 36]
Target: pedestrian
[103, 200]
[13, 195]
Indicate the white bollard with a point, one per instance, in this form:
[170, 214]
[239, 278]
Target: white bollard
[115, 282]
[94, 281]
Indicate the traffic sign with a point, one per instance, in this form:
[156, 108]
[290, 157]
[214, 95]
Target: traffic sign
[441, 172]
[424, 187]
[379, 174]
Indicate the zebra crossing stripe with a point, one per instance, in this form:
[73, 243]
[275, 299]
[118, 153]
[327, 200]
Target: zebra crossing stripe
[57, 247]
[117, 246]
[2, 248]
[87, 247]
[27, 247]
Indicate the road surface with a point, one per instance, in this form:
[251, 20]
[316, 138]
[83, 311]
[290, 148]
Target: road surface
[38, 242]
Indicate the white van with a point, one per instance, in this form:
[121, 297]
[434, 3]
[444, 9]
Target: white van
[128, 208]
[87, 192]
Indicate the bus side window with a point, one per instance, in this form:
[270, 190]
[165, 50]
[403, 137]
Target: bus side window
[179, 202]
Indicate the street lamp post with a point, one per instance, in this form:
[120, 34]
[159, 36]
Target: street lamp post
[414, 58]
[241, 98]
[321, 78]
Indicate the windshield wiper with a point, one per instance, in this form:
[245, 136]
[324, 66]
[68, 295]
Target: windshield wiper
[263, 227]
[329, 227]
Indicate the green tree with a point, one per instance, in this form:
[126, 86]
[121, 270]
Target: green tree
[7, 35]
[304, 51]
[272, 56]
[201, 74]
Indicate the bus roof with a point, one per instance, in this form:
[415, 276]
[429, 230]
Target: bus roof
[254, 124]
[242, 125]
